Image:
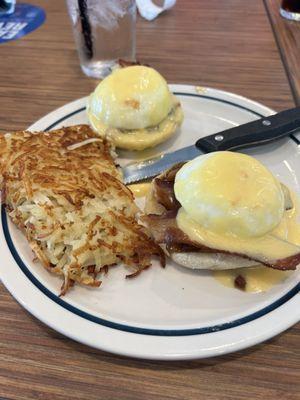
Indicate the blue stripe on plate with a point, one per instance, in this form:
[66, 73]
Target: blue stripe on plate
[64, 118]
[133, 329]
[294, 138]
[127, 328]
[220, 101]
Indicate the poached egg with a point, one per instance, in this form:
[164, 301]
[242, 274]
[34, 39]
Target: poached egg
[231, 202]
[134, 108]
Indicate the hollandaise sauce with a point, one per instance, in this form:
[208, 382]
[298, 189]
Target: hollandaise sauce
[140, 189]
[237, 205]
[257, 279]
[260, 278]
[134, 108]
[280, 243]
[200, 89]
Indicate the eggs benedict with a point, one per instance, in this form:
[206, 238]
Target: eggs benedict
[224, 210]
[134, 108]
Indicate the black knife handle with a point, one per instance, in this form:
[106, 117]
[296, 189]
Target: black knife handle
[264, 130]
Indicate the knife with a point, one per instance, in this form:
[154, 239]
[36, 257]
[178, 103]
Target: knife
[261, 131]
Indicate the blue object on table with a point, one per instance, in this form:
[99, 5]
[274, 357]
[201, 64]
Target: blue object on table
[25, 19]
[7, 7]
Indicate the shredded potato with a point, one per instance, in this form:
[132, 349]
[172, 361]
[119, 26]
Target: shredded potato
[63, 190]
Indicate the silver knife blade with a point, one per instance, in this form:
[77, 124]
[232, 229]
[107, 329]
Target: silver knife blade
[259, 132]
[149, 168]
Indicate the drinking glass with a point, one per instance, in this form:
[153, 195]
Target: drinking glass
[104, 32]
[290, 9]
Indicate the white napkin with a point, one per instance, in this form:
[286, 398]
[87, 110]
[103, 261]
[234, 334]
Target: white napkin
[149, 10]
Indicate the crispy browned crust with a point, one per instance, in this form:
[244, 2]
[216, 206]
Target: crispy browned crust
[72, 168]
[43, 160]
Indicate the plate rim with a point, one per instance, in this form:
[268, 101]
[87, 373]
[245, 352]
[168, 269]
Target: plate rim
[194, 89]
[142, 353]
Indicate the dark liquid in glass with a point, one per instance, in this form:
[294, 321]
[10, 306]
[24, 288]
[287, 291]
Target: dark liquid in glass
[291, 5]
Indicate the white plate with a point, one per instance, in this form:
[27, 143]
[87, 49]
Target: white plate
[170, 313]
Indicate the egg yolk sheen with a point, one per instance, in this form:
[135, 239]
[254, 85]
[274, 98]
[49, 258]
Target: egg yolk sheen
[230, 193]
